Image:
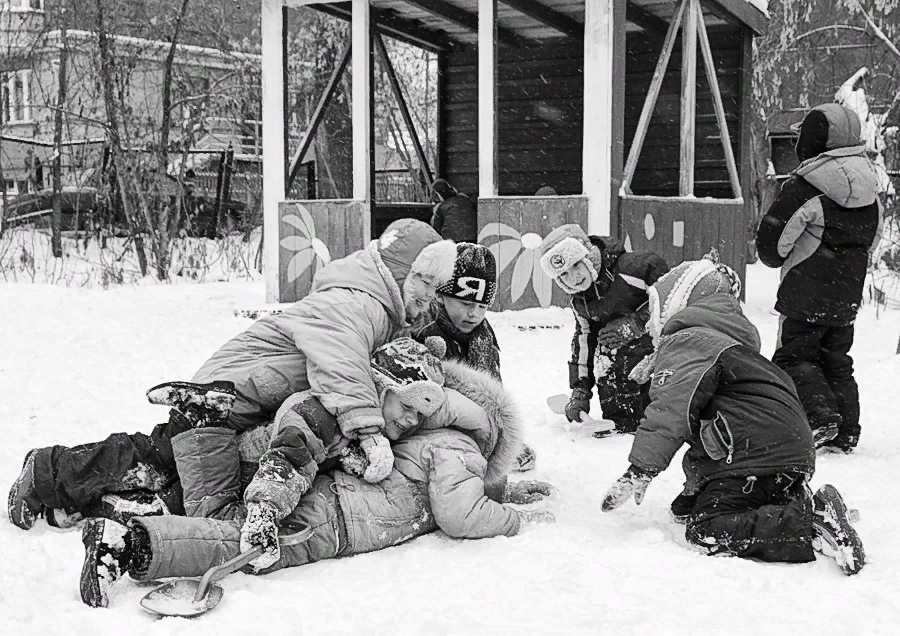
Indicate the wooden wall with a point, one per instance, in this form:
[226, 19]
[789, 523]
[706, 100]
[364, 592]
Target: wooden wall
[658, 166]
[513, 228]
[313, 233]
[539, 103]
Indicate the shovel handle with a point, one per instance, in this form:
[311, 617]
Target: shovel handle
[221, 571]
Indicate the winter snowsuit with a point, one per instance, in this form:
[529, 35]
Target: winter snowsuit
[439, 482]
[751, 447]
[322, 343]
[478, 348]
[456, 218]
[820, 231]
[620, 290]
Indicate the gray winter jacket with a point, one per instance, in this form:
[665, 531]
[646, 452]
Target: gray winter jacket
[321, 343]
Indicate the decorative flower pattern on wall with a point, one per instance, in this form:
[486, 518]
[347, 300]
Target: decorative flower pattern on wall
[525, 251]
[308, 250]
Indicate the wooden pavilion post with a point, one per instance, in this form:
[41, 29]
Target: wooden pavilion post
[599, 39]
[688, 97]
[272, 22]
[487, 99]
[361, 109]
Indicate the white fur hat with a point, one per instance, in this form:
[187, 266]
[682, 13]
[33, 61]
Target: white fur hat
[566, 246]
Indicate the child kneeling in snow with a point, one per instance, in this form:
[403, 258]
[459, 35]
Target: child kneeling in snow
[751, 448]
[607, 289]
[457, 448]
[461, 322]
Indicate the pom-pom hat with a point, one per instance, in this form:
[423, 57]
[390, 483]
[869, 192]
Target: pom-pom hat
[413, 371]
[474, 275]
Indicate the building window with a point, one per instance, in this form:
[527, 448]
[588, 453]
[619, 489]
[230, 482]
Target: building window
[16, 97]
[23, 5]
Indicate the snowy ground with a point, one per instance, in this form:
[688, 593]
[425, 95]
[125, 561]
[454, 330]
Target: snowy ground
[74, 364]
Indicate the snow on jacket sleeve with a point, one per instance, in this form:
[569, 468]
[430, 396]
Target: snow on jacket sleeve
[584, 343]
[456, 490]
[338, 339]
[769, 236]
[685, 379]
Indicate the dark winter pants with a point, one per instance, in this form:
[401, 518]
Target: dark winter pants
[622, 400]
[74, 478]
[818, 361]
[767, 518]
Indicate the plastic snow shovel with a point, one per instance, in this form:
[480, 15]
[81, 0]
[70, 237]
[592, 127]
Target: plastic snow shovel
[189, 597]
[557, 404]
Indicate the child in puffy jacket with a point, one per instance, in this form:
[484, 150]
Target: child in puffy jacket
[607, 290]
[450, 450]
[750, 447]
[820, 232]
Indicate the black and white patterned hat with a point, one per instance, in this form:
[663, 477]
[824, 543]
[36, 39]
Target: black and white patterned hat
[474, 275]
[413, 371]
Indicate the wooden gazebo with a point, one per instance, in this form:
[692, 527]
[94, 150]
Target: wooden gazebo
[634, 111]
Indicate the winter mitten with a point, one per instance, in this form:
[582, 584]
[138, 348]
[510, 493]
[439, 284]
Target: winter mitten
[260, 528]
[379, 455]
[528, 517]
[353, 460]
[633, 482]
[579, 403]
[619, 332]
[526, 492]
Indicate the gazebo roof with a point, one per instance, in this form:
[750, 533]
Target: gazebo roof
[442, 24]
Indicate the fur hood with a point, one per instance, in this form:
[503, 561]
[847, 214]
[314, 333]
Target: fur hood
[502, 442]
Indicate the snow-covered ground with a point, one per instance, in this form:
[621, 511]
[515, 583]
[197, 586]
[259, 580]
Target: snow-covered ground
[74, 365]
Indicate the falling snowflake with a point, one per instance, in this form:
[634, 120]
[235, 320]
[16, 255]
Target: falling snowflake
[524, 249]
[309, 251]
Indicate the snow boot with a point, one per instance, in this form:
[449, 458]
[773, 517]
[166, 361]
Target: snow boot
[682, 506]
[824, 434]
[835, 536]
[62, 518]
[842, 444]
[121, 507]
[23, 505]
[526, 460]
[203, 404]
[106, 558]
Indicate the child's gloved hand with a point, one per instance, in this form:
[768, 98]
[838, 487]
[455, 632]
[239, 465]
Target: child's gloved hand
[619, 332]
[260, 528]
[379, 455]
[579, 403]
[536, 516]
[526, 492]
[633, 482]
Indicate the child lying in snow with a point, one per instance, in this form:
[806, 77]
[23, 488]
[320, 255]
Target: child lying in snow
[751, 448]
[438, 482]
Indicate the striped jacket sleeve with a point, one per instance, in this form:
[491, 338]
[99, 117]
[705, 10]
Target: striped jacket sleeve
[584, 343]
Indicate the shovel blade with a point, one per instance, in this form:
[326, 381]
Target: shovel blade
[176, 598]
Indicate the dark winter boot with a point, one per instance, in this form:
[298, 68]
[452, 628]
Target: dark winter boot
[842, 444]
[121, 507]
[23, 505]
[824, 434]
[203, 404]
[835, 536]
[63, 519]
[526, 460]
[682, 506]
[110, 550]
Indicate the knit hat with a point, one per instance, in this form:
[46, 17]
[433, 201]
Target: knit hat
[443, 189]
[410, 245]
[827, 127]
[687, 283]
[474, 275]
[566, 246]
[413, 371]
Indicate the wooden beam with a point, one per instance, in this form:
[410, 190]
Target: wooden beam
[272, 31]
[659, 73]
[639, 16]
[361, 103]
[487, 99]
[740, 12]
[618, 117]
[597, 163]
[688, 97]
[389, 24]
[545, 15]
[317, 117]
[710, 67]
[404, 109]
[462, 18]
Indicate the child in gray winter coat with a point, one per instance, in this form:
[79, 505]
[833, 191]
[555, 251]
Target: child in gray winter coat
[751, 448]
[453, 449]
